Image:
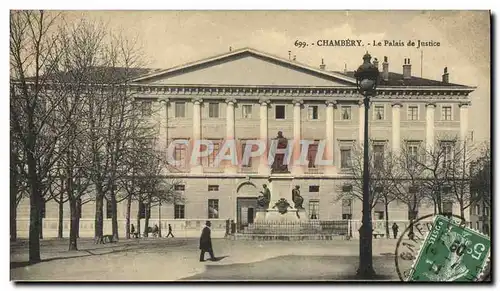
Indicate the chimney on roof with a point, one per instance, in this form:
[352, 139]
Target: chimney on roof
[407, 69]
[294, 58]
[289, 55]
[446, 76]
[322, 66]
[375, 63]
[385, 69]
[345, 68]
[230, 48]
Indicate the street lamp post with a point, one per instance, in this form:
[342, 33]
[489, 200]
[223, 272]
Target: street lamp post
[366, 80]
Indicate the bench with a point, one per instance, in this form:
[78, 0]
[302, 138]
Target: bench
[378, 234]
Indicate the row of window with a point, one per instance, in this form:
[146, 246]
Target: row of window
[211, 188]
[312, 111]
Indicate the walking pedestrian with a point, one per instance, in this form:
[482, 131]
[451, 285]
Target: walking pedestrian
[170, 231]
[395, 229]
[206, 243]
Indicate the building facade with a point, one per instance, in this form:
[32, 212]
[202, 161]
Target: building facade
[246, 95]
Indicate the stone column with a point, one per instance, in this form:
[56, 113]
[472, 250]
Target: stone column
[297, 169]
[329, 150]
[230, 134]
[396, 127]
[429, 126]
[196, 167]
[361, 123]
[263, 166]
[464, 120]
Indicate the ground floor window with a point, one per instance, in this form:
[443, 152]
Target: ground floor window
[179, 212]
[213, 208]
[447, 208]
[314, 209]
[346, 208]
[144, 210]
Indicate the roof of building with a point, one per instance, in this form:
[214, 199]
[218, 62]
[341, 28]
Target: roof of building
[119, 74]
[396, 80]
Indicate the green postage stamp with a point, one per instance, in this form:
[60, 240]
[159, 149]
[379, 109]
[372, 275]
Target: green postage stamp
[451, 252]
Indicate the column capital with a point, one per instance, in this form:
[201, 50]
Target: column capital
[331, 103]
[197, 101]
[297, 102]
[464, 104]
[264, 102]
[230, 100]
[396, 105]
[164, 100]
[361, 103]
[430, 105]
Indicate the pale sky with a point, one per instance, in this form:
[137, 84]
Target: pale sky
[171, 38]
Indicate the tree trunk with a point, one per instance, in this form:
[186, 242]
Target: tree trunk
[41, 224]
[78, 215]
[13, 217]
[34, 232]
[462, 210]
[386, 218]
[13, 202]
[139, 218]
[114, 214]
[98, 228]
[74, 225]
[61, 213]
[127, 217]
[146, 219]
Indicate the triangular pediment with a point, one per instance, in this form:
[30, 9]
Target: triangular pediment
[246, 67]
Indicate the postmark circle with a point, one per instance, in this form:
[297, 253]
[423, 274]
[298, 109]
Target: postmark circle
[407, 247]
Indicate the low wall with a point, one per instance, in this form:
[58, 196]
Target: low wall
[180, 227]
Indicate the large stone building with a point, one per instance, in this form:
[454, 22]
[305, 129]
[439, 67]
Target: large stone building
[250, 95]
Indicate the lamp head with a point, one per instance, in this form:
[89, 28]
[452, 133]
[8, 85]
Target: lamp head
[367, 76]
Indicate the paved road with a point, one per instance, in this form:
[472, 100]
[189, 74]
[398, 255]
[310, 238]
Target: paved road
[177, 259]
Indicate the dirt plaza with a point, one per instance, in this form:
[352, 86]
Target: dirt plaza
[176, 259]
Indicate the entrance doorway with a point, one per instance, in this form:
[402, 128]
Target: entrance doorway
[245, 211]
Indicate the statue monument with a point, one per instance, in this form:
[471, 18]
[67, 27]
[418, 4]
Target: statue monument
[296, 198]
[279, 165]
[264, 199]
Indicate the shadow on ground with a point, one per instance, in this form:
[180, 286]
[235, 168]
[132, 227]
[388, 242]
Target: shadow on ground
[87, 249]
[325, 268]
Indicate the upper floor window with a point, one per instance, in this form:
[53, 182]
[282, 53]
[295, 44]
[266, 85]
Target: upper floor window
[446, 113]
[311, 154]
[280, 111]
[345, 158]
[213, 110]
[213, 149]
[179, 211]
[146, 108]
[379, 112]
[246, 111]
[345, 112]
[378, 156]
[413, 112]
[446, 153]
[180, 109]
[312, 112]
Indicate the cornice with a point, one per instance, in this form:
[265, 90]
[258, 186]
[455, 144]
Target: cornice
[297, 92]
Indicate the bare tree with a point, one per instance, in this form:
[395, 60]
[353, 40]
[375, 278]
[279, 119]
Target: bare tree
[380, 166]
[35, 50]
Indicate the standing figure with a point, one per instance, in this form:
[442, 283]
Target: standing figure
[279, 165]
[395, 229]
[132, 231]
[296, 198]
[206, 242]
[264, 199]
[170, 231]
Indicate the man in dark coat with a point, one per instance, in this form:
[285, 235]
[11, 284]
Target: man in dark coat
[395, 228]
[206, 243]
